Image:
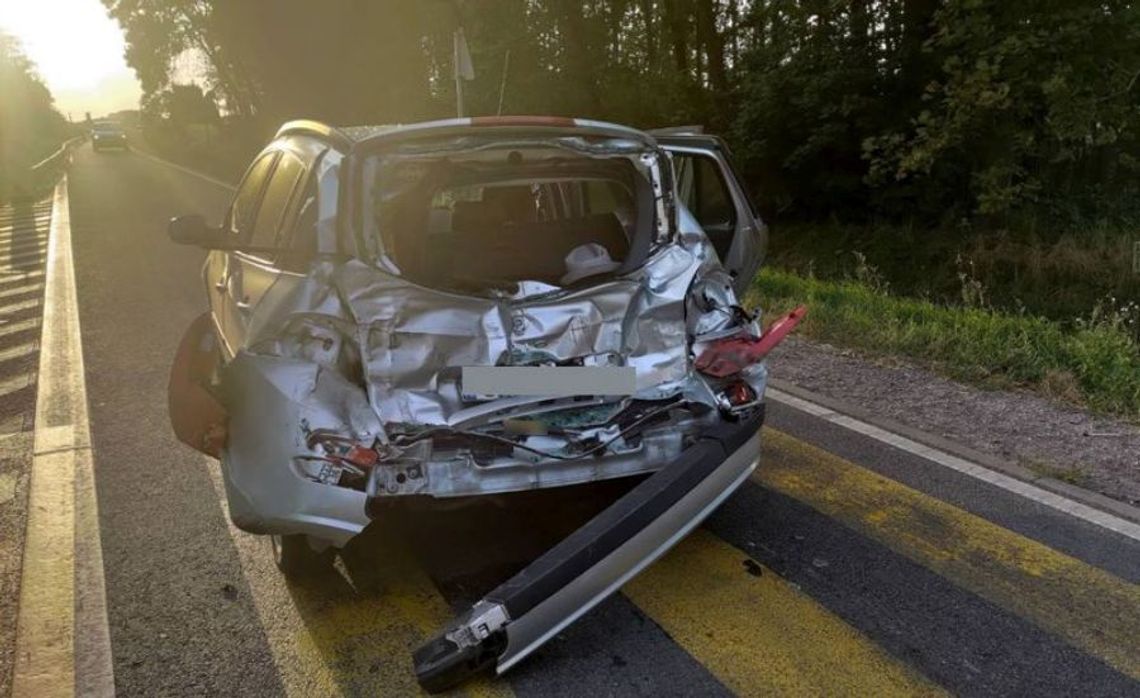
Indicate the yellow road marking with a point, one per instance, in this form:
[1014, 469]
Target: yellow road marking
[1089, 608]
[760, 635]
[351, 633]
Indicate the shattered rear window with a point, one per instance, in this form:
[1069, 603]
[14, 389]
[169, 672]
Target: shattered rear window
[478, 215]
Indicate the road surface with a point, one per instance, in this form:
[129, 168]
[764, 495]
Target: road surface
[847, 566]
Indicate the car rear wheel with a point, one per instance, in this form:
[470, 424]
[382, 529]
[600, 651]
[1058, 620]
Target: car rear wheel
[296, 558]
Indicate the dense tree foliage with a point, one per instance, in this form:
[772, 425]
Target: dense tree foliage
[30, 127]
[937, 110]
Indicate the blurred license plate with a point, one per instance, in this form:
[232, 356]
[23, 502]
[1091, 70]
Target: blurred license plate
[549, 381]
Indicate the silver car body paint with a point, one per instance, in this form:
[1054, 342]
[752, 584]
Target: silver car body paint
[406, 346]
[528, 632]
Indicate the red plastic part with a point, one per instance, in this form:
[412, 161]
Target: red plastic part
[361, 456]
[198, 419]
[729, 356]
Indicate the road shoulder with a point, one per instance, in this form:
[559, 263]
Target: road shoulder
[1065, 449]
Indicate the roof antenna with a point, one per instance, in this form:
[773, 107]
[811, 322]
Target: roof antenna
[461, 59]
[503, 84]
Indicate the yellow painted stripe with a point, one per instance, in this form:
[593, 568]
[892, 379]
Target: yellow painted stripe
[760, 635]
[1088, 607]
[352, 633]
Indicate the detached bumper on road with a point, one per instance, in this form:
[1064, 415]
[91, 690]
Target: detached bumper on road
[574, 576]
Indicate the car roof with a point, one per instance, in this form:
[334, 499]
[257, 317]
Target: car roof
[352, 137]
[699, 140]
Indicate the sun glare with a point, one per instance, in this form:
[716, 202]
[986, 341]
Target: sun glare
[78, 51]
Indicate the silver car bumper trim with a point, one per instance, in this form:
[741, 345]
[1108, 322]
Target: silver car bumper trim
[594, 561]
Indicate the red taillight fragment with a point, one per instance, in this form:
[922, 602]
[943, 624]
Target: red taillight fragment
[361, 456]
[729, 356]
[739, 393]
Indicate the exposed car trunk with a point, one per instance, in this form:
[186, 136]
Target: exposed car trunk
[409, 348]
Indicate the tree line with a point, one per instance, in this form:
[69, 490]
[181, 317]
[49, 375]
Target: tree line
[947, 112]
[30, 126]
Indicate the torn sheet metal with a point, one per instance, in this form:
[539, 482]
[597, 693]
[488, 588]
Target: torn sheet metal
[346, 392]
[408, 344]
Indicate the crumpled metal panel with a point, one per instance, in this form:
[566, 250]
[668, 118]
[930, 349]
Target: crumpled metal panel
[271, 401]
[413, 341]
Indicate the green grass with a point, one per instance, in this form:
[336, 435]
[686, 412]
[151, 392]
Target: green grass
[1095, 364]
[1061, 276]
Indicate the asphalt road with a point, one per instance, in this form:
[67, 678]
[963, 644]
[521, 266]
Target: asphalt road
[845, 567]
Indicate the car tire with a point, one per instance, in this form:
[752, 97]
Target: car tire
[296, 558]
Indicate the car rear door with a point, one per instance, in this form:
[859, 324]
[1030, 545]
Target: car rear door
[257, 270]
[223, 269]
[708, 186]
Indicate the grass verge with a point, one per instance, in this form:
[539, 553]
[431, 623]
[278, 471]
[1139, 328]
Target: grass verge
[1096, 364]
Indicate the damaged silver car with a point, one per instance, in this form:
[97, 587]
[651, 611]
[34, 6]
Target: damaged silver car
[474, 307]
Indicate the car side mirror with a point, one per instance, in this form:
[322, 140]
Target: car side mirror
[193, 230]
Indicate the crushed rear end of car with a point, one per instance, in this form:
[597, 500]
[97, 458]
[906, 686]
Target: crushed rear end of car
[496, 310]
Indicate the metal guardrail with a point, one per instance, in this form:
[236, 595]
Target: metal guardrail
[44, 173]
[39, 178]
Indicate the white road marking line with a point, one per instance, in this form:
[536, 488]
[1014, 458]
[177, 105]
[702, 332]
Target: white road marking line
[39, 234]
[187, 170]
[22, 290]
[10, 328]
[10, 308]
[62, 641]
[24, 224]
[19, 277]
[19, 351]
[13, 384]
[23, 243]
[15, 258]
[1010, 484]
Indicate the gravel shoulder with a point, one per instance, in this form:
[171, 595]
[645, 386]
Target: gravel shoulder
[1093, 451]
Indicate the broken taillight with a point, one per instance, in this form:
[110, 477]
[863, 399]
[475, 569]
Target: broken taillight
[739, 393]
[737, 397]
[729, 356]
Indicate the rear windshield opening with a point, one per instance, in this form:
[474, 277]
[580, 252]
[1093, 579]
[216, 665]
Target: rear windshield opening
[490, 221]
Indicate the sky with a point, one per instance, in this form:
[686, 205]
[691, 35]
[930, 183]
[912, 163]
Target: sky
[78, 51]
